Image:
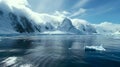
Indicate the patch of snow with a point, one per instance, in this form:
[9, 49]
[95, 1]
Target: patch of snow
[84, 26]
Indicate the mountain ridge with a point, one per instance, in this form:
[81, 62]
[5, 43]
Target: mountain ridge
[19, 18]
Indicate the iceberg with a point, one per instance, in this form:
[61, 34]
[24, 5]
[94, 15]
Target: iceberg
[95, 48]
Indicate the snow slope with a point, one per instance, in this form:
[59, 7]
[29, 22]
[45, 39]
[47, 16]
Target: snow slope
[18, 18]
[107, 28]
[84, 26]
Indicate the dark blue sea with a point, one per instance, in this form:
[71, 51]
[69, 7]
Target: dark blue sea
[59, 50]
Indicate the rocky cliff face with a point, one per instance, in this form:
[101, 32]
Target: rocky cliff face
[67, 26]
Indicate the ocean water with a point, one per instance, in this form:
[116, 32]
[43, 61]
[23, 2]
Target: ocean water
[60, 51]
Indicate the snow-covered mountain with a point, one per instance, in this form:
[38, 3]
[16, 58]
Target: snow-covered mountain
[17, 17]
[67, 26]
[84, 26]
[107, 28]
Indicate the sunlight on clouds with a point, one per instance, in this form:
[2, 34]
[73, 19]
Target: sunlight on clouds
[79, 12]
[18, 2]
[49, 5]
[12, 3]
[81, 3]
[62, 14]
[107, 27]
[66, 13]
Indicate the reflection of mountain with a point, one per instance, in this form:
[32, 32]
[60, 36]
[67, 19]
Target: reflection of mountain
[48, 51]
[18, 18]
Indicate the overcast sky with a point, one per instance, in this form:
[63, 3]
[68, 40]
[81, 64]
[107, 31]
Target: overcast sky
[94, 11]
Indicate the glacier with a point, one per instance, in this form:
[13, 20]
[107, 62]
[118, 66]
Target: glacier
[17, 18]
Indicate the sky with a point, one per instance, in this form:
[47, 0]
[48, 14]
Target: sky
[94, 11]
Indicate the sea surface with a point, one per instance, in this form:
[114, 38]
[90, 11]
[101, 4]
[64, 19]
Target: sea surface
[59, 50]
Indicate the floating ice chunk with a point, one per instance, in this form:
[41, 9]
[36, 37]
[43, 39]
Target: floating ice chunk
[9, 61]
[95, 48]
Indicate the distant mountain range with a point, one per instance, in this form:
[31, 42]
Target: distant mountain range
[19, 18]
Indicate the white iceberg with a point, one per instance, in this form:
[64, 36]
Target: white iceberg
[95, 48]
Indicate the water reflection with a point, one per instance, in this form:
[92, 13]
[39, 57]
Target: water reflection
[48, 51]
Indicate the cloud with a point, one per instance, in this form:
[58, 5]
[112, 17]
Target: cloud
[66, 13]
[108, 27]
[79, 22]
[48, 5]
[109, 24]
[62, 14]
[11, 4]
[81, 3]
[17, 2]
[79, 12]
